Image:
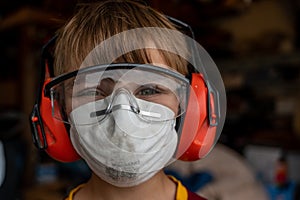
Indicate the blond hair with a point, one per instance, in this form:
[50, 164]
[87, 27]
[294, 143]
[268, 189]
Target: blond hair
[96, 22]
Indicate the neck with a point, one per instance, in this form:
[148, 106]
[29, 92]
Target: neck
[158, 187]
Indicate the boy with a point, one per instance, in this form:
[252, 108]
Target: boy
[124, 94]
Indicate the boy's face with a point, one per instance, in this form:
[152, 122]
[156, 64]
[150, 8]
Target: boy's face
[83, 90]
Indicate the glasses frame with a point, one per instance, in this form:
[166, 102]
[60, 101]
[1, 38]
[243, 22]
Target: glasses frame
[113, 66]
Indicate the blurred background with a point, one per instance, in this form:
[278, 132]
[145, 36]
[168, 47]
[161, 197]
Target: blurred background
[255, 44]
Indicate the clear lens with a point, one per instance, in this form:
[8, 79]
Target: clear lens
[100, 87]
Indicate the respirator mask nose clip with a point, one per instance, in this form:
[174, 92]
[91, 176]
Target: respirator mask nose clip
[121, 98]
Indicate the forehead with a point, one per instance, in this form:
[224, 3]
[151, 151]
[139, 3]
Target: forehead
[152, 45]
[151, 56]
[157, 59]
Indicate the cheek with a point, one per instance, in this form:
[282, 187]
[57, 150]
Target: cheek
[68, 106]
[175, 107]
[172, 103]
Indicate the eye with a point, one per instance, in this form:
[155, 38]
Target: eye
[90, 92]
[148, 90]
[99, 91]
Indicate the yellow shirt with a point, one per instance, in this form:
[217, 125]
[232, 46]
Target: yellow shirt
[181, 194]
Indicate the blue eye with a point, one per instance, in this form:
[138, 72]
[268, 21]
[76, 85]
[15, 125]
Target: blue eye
[88, 95]
[100, 91]
[90, 92]
[147, 91]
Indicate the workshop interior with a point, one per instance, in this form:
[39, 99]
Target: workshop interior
[256, 47]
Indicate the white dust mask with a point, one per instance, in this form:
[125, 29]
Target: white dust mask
[124, 149]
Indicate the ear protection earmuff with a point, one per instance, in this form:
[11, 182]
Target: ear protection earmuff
[198, 132]
[48, 133]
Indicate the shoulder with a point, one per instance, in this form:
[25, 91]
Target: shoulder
[194, 196]
[73, 191]
[183, 193]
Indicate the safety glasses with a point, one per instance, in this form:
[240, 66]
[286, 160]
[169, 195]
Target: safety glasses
[146, 88]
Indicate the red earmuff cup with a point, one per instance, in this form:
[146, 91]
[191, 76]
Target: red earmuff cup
[197, 137]
[59, 145]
